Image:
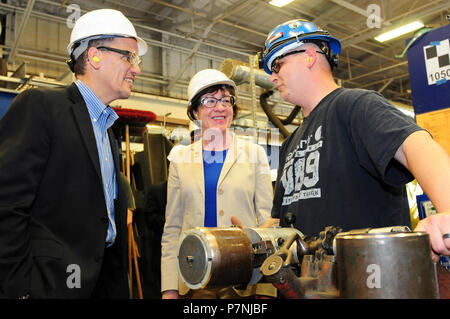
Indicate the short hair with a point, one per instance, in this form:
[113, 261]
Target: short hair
[195, 102]
[80, 64]
[324, 47]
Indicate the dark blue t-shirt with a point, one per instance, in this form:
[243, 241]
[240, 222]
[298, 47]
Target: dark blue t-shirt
[212, 166]
[338, 167]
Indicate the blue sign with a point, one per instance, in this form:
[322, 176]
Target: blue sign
[5, 100]
[429, 70]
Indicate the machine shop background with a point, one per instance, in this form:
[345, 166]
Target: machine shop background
[186, 36]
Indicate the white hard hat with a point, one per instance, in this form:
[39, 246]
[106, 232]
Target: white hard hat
[206, 78]
[100, 24]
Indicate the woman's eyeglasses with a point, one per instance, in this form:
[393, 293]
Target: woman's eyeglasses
[211, 102]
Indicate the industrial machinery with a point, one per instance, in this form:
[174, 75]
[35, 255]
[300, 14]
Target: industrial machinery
[390, 262]
[222, 257]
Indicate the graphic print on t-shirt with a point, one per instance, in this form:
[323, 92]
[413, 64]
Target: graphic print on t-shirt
[301, 170]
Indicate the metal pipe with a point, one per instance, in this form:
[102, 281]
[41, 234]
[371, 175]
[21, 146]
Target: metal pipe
[239, 72]
[12, 9]
[25, 17]
[204, 15]
[379, 70]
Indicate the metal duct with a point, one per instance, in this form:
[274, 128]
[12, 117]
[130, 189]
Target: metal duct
[239, 72]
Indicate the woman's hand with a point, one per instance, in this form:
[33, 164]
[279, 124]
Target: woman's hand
[271, 222]
[170, 294]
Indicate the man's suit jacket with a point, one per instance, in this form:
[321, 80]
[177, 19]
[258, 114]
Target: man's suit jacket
[244, 189]
[53, 217]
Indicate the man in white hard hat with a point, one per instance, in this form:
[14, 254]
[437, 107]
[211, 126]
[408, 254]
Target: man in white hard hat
[62, 206]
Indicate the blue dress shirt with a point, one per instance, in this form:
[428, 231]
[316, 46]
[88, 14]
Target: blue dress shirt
[102, 118]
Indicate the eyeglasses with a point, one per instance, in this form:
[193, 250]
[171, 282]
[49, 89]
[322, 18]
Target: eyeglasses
[211, 102]
[131, 57]
[276, 65]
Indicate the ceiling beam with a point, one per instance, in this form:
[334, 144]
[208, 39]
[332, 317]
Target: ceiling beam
[404, 75]
[204, 15]
[385, 85]
[424, 11]
[18, 36]
[379, 70]
[54, 18]
[189, 59]
[242, 4]
[358, 47]
[350, 7]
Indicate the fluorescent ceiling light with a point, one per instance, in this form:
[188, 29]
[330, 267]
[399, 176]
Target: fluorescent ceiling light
[399, 31]
[280, 3]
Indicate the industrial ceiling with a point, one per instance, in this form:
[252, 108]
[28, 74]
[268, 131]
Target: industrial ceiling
[221, 29]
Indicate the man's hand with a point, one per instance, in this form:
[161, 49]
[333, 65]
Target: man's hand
[437, 226]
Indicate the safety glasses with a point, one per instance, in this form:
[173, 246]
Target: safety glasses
[131, 57]
[276, 65]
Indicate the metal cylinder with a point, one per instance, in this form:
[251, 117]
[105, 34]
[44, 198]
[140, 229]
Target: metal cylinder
[215, 257]
[385, 266]
[239, 72]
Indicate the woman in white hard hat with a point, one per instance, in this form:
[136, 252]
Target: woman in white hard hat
[212, 179]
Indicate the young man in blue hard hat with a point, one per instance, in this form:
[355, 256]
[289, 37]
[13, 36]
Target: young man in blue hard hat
[349, 161]
[62, 206]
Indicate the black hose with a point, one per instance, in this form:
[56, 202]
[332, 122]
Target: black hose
[292, 116]
[273, 118]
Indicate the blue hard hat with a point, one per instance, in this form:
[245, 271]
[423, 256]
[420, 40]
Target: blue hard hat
[289, 35]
